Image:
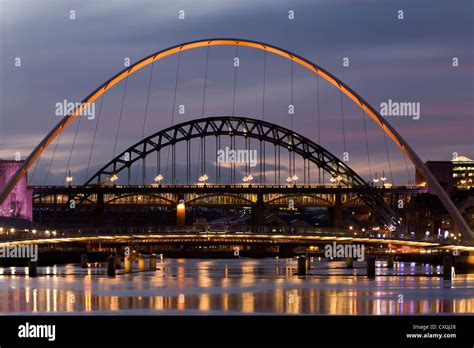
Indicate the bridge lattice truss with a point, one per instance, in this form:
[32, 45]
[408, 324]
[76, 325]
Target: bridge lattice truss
[249, 128]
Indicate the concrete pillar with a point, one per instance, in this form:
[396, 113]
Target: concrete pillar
[447, 266]
[32, 269]
[141, 263]
[371, 266]
[390, 260]
[84, 260]
[111, 270]
[301, 265]
[153, 262]
[349, 262]
[127, 264]
[118, 261]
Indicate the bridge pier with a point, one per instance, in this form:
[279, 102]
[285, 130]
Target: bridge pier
[153, 262]
[302, 265]
[336, 213]
[127, 264]
[111, 269]
[371, 266]
[84, 260]
[349, 262]
[99, 211]
[32, 269]
[258, 213]
[390, 261]
[447, 267]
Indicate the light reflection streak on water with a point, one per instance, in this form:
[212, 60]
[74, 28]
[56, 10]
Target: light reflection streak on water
[237, 286]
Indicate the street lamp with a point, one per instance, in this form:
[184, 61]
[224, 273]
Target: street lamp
[247, 179]
[376, 179]
[158, 179]
[203, 178]
[113, 178]
[336, 179]
[383, 178]
[292, 179]
[69, 178]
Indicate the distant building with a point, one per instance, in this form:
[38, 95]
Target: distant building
[457, 174]
[19, 202]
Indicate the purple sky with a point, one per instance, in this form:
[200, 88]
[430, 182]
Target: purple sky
[407, 60]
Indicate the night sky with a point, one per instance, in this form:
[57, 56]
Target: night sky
[407, 60]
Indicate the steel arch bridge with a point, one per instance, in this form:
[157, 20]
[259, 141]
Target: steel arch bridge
[248, 128]
[356, 98]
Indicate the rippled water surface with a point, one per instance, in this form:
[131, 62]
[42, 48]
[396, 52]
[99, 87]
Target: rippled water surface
[237, 286]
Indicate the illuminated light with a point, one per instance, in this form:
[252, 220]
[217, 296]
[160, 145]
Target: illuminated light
[69, 178]
[181, 206]
[351, 228]
[158, 179]
[113, 177]
[12, 230]
[203, 178]
[247, 178]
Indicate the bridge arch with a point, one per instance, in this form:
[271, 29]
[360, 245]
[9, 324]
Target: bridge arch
[302, 195]
[356, 98]
[247, 128]
[243, 199]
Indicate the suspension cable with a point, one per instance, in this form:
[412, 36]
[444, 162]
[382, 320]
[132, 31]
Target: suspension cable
[146, 115]
[93, 139]
[367, 145]
[121, 114]
[235, 79]
[388, 158]
[319, 124]
[343, 123]
[173, 108]
[408, 171]
[72, 148]
[205, 83]
[52, 159]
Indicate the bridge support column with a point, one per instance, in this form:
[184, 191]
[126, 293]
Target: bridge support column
[371, 266]
[302, 267]
[141, 263]
[84, 260]
[349, 262]
[447, 267]
[390, 261]
[111, 270]
[32, 269]
[258, 213]
[127, 264]
[336, 213]
[153, 262]
[99, 211]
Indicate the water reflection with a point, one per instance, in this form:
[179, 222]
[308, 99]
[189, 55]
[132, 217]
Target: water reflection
[237, 286]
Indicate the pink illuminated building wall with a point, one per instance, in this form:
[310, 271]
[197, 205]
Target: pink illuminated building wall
[19, 203]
